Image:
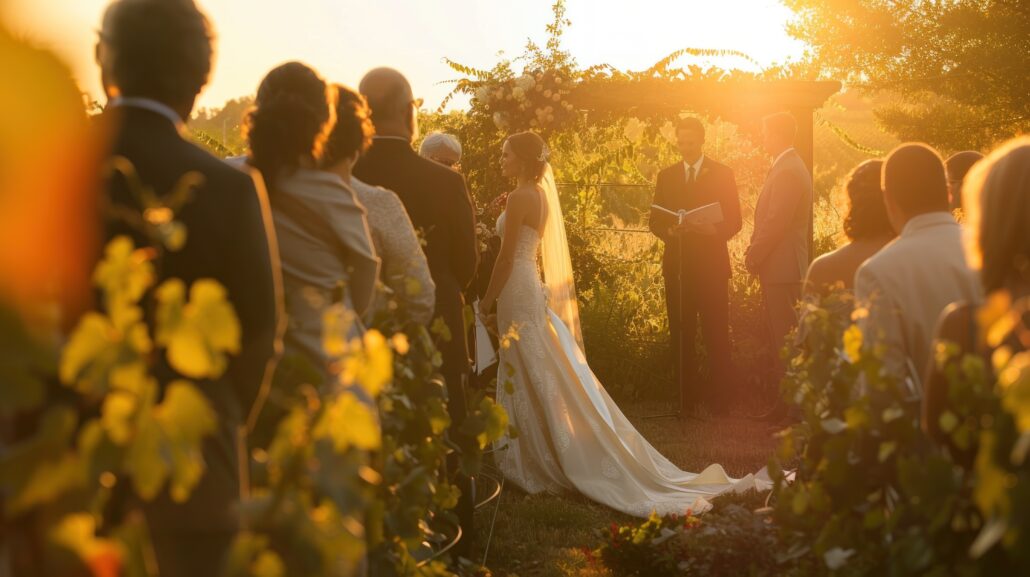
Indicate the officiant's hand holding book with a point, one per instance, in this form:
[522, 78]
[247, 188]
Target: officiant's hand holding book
[701, 220]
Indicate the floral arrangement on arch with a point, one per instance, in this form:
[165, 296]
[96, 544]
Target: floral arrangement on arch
[538, 99]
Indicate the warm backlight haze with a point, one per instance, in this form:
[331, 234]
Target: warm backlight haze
[345, 38]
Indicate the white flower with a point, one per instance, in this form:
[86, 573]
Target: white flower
[633, 130]
[518, 92]
[525, 82]
[547, 93]
[483, 93]
[556, 97]
[500, 121]
[836, 558]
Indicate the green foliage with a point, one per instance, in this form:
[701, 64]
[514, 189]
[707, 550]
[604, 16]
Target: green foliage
[867, 492]
[99, 418]
[957, 69]
[730, 540]
[313, 485]
[415, 499]
[91, 418]
[222, 130]
[871, 493]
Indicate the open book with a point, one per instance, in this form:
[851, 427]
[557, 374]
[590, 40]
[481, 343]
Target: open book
[707, 214]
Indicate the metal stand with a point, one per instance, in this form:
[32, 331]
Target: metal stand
[680, 373]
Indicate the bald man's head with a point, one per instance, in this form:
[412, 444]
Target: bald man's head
[392, 102]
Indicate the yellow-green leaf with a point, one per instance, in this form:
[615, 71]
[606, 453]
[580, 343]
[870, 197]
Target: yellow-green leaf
[145, 460]
[90, 340]
[853, 343]
[348, 422]
[185, 417]
[124, 274]
[118, 416]
[368, 364]
[200, 333]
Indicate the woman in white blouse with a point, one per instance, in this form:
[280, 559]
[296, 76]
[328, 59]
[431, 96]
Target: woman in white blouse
[405, 272]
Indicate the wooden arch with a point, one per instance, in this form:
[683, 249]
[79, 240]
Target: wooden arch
[743, 102]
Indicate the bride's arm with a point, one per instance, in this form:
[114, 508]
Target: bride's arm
[518, 206]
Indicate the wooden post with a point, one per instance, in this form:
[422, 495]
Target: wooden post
[804, 143]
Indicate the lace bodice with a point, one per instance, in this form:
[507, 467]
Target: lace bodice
[523, 298]
[529, 240]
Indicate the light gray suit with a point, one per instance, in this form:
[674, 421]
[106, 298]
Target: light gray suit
[907, 285]
[778, 253]
[327, 256]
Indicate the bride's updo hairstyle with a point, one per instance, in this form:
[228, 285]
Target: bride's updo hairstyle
[291, 119]
[531, 149]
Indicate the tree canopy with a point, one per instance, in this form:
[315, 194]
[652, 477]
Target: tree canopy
[956, 70]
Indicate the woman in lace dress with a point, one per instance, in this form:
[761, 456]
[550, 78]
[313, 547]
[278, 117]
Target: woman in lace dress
[571, 435]
[405, 272]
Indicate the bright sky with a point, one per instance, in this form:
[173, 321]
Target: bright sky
[345, 38]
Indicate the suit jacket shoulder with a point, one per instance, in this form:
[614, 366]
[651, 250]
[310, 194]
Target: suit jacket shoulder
[714, 165]
[671, 171]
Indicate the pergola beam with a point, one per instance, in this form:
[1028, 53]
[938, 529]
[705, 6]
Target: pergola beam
[743, 102]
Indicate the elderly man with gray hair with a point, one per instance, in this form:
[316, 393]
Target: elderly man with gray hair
[441, 148]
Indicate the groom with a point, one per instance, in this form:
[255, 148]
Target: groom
[704, 264]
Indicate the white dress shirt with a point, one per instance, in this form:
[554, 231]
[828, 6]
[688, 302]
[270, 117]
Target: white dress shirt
[696, 166]
[151, 105]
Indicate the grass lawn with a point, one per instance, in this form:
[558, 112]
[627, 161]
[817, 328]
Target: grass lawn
[543, 535]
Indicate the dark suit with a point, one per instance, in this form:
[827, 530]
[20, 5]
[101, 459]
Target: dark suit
[229, 239]
[439, 206]
[706, 269]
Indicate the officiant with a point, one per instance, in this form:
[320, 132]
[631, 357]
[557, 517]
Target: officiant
[696, 266]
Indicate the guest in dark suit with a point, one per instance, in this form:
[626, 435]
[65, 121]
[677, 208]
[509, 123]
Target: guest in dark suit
[697, 181]
[778, 253]
[155, 57]
[439, 205]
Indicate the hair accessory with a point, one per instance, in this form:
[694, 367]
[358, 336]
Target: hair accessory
[544, 154]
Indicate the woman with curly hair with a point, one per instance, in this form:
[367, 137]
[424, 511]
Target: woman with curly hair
[866, 226]
[324, 241]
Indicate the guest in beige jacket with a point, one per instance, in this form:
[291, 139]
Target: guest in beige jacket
[778, 253]
[907, 285]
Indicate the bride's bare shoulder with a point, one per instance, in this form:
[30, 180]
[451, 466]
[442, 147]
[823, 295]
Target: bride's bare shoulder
[522, 195]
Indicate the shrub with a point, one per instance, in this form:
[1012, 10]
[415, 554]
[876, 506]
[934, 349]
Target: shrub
[729, 540]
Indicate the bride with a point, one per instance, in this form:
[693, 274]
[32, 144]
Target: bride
[571, 435]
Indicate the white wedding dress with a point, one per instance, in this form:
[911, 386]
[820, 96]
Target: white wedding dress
[571, 436]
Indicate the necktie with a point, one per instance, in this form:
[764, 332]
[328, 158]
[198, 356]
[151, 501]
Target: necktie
[690, 175]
